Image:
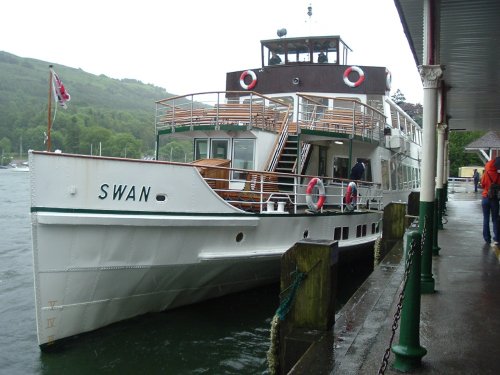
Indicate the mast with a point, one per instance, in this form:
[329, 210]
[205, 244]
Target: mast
[49, 118]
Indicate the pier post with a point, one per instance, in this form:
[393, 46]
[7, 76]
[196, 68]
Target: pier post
[393, 227]
[312, 310]
[408, 352]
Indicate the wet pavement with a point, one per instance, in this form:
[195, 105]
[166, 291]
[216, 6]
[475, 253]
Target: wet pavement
[460, 322]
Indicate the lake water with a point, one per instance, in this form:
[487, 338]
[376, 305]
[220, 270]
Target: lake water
[228, 335]
[225, 336]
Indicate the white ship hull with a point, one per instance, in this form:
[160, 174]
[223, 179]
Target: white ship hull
[99, 260]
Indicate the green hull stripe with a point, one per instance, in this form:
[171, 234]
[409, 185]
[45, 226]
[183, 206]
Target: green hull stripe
[164, 213]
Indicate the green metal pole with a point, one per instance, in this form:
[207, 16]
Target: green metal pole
[408, 352]
[435, 247]
[440, 201]
[426, 229]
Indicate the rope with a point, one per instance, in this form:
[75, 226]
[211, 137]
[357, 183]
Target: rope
[286, 304]
[280, 315]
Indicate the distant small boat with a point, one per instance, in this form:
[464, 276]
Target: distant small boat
[24, 167]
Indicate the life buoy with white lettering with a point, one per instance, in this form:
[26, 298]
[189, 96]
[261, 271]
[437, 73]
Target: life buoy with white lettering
[252, 84]
[351, 196]
[358, 70]
[321, 200]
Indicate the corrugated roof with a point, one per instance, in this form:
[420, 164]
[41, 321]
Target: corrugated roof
[468, 46]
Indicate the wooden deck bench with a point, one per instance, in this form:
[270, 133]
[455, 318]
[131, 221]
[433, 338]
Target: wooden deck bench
[340, 120]
[181, 116]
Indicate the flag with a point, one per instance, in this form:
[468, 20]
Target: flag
[60, 92]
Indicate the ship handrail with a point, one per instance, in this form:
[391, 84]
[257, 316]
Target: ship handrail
[279, 144]
[261, 187]
[341, 115]
[217, 108]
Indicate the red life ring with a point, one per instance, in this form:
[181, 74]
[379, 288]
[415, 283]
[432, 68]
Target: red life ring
[321, 200]
[351, 196]
[252, 84]
[360, 80]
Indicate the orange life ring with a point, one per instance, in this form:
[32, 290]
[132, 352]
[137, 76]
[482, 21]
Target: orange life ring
[252, 84]
[358, 70]
[321, 200]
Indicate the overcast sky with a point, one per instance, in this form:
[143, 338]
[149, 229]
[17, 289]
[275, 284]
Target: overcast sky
[188, 46]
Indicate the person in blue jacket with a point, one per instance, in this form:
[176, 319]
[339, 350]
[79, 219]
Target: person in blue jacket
[357, 171]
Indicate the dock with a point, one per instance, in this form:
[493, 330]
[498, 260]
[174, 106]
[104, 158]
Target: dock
[459, 322]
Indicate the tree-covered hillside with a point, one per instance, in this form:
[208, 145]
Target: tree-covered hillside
[115, 115]
[111, 116]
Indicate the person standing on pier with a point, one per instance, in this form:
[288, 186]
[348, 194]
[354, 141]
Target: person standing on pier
[490, 205]
[476, 179]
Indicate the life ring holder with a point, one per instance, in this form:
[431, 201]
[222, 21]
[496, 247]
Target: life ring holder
[321, 200]
[358, 70]
[252, 84]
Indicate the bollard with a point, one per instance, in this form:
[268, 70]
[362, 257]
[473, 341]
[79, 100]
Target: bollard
[311, 312]
[408, 352]
[393, 227]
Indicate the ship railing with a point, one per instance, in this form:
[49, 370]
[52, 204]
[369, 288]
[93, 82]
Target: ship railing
[279, 144]
[220, 108]
[273, 192]
[340, 116]
[403, 125]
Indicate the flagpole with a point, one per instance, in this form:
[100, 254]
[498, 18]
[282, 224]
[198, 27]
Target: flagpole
[49, 117]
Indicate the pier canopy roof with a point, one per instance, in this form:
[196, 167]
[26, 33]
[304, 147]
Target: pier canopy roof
[486, 147]
[466, 42]
[314, 49]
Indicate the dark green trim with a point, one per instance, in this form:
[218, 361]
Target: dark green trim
[214, 127]
[336, 135]
[167, 213]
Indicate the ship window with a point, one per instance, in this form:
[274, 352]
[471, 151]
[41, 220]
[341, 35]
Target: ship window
[200, 149]
[361, 230]
[345, 233]
[243, 156]
[218, 148]
[394, 178]
[337, 233]
[385, 174]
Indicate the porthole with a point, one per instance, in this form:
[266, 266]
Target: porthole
[161, 197]
[239, 237]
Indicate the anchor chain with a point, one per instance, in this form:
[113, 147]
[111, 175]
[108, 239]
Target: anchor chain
[397, 314]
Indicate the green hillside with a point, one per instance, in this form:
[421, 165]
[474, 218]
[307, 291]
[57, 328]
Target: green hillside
[116, 114]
